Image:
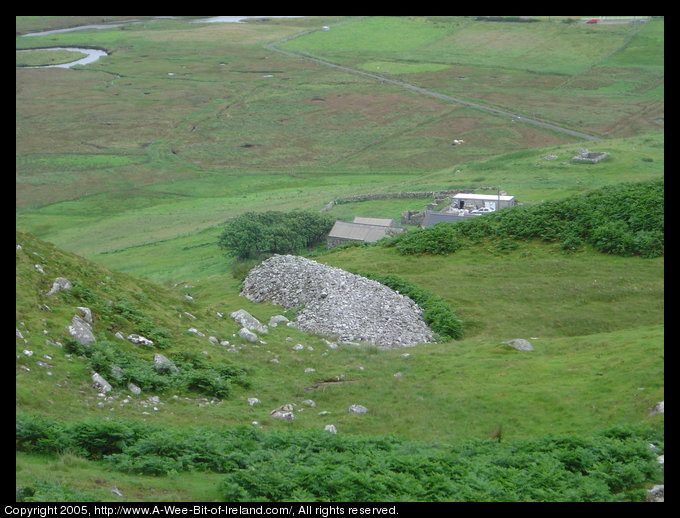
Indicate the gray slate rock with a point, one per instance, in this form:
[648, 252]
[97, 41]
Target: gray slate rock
[60, 283]
[357, 409]
[276, 320]
[81, 331]
[245, 319]
[520, 344]
[100, 383]
[87, 313]
[139, 340]
[247, 335]
[162, 364]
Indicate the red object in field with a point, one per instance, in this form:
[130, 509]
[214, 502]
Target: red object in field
[592, 20]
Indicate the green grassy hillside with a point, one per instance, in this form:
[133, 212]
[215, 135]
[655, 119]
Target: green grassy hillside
[593, 366]
[128, 168]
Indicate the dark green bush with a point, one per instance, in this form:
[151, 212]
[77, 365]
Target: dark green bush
[254, 234]
[625, 219]
[36, 434]
[614, 465]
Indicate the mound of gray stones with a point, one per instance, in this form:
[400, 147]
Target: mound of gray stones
[337, 303]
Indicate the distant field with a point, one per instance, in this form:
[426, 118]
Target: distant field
[592, 77]
[184, 125]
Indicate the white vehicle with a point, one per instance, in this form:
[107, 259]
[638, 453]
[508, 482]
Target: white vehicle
[483, 210]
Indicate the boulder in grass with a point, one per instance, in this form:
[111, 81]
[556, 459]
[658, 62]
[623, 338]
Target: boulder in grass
[248, 335]
[81, 331]
[139, 340]
[164, 365]
[60, 283]
[520, 344]
[357, 409]
[245, 319]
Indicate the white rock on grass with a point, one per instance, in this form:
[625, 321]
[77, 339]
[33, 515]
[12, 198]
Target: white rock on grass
[247, 335]
[81, 331]
[357, 409]
[139, 340]
[60, 283]
[245, 319]
[520, 344]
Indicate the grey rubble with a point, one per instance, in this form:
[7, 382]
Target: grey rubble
[337, 303]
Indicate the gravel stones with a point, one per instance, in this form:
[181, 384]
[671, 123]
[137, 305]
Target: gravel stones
[337, 303]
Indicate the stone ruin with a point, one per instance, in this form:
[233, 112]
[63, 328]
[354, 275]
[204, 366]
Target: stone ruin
[589, 157]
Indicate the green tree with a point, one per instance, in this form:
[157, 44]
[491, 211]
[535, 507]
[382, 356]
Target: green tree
[254, 234]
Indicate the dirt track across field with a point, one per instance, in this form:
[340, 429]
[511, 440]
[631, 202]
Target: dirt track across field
[274, 47]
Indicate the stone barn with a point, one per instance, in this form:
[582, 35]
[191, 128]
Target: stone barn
[345, 232]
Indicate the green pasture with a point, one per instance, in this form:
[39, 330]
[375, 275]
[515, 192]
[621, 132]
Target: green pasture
[577, 75]
[46, 57]
[596, 323]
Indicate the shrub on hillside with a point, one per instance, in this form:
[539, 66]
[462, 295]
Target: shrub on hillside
[254, 234]
[614, 465]
[624, 219]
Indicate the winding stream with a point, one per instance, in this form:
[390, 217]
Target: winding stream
[91, 55]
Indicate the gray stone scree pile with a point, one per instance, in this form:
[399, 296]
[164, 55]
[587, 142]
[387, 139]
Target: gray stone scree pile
[338, 303]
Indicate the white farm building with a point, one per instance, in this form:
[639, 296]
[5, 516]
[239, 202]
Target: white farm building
[477, 201]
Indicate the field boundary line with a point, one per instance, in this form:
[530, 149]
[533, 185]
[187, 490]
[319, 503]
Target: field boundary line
[496, 111]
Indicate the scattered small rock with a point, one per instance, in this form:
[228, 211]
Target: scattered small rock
[60, 283]
[330, 428]
[357, 409]
[284, 412]
[253, 401]
[100, 383]
[657, 409]
[81, 331]
[87, 313]
[655, 494]
[248, 321]
[520, 344]
[134, 389]
[276, 320]
[162, 364]
[139, 340]
[247, 335]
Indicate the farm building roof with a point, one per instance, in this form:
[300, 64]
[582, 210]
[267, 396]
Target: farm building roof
[382, 222]
[361, 232]
[482, 197]
[432, 218]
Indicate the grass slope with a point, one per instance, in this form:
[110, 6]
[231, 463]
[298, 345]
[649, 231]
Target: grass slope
[574, 383]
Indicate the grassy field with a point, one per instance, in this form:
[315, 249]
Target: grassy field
[126, 170]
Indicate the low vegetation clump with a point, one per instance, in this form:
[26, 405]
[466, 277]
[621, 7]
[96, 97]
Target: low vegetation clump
[256, 234]
[194, 373]
[612, 465]
[437, 313]
[625, 220]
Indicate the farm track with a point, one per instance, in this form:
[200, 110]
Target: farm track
[274, 47]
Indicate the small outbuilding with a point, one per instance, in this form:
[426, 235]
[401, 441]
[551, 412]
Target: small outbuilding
[432, 218]
[477, 201]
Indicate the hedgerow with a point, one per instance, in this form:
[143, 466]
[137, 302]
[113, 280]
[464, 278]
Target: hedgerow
[624, 219]
[614, 465]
